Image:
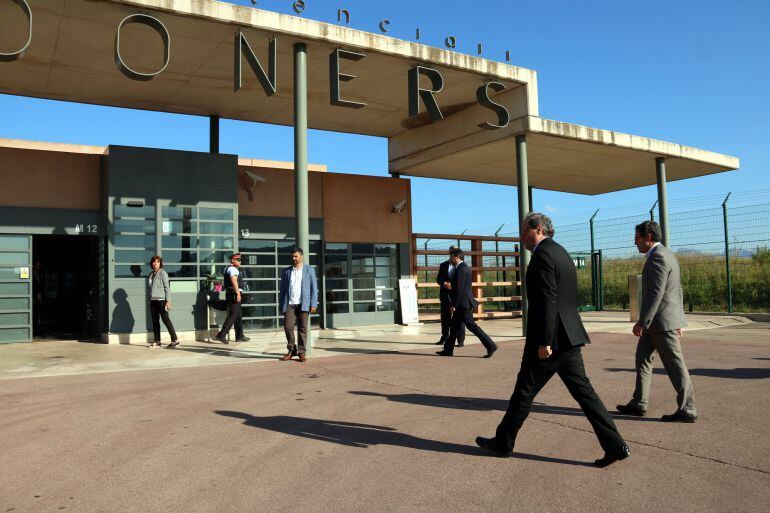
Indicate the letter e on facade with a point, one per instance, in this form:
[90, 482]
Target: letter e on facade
[336, 77]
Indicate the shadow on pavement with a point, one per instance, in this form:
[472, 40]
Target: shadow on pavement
[478, 404]
[347, 433]
[737, 373]
[353, 434]
[229, 352]
[371, 341]
[357, 350]
[390, 351]
[548, 459]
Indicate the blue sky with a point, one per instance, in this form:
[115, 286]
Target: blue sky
[686, 71]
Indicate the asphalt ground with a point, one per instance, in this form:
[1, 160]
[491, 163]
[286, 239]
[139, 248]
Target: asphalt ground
[388, 432]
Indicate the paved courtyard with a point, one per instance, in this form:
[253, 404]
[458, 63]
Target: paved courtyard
[368, 427]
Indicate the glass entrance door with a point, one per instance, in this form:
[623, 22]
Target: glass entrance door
[263, 262]
[16, 276]
[361, 283]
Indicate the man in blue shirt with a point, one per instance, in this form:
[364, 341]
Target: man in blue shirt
[297, 299]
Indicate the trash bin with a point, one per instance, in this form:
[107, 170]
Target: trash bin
[635, 296]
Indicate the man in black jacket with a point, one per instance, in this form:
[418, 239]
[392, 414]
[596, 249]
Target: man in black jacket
[445, 273]
[555, 336]
[462, 306]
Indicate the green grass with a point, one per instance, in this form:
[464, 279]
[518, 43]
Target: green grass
[704, 282]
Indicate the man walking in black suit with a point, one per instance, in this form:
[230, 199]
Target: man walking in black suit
[462, 306]
[555, 336]
[445, 273]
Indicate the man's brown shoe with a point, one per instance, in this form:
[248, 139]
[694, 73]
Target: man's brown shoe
[285, 357]
[302, 357]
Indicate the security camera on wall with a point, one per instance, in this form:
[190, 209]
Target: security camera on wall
[399, 207]
[249, 181]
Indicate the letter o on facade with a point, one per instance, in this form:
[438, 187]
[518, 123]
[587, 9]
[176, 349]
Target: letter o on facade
[18, 54]
[451, 42]
[299, 6]
[154, 23]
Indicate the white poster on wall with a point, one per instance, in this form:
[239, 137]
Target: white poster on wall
[408, 294]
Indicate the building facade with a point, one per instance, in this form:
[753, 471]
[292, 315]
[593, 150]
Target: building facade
[78, 226]
[446, 115]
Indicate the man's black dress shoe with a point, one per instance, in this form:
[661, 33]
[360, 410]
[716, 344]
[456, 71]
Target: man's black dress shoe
[460, 344]
[680, 416]
[221, 338]
[630, 409]
[443, 353]
[611, 457]
[490, 445]
[242, 339]
[439, 343]
[490, 352]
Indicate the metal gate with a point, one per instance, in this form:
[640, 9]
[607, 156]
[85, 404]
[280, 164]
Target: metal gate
[494, 262]
[589, 275]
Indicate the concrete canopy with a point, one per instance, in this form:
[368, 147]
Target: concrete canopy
[562, 157]
[71, 57]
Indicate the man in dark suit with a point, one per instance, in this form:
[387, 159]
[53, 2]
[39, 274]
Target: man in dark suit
[445, 273]
[555, 336]
[462, 306]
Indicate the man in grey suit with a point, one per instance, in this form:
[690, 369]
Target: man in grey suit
[661, 319]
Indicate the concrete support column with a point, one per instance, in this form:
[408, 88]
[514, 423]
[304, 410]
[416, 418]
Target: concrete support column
[302, 216]
[531, 203]
[522, 180]
[477, 262]
[213, 134]
[660, 165]
[300, 149]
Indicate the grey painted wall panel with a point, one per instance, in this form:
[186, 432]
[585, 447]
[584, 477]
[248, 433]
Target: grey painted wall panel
[164, 177]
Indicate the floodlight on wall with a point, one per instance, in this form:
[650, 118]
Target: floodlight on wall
[398, 207]
[255, 178]
[249, 181]
[135, 204]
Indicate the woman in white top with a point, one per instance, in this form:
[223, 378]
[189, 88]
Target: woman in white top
[159, 301]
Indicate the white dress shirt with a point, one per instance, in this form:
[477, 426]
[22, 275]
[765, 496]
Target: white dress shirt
[649, 251]
[536, 245]
[295, 286]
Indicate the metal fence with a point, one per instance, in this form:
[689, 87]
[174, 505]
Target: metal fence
[702, 240]
[703, 232]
